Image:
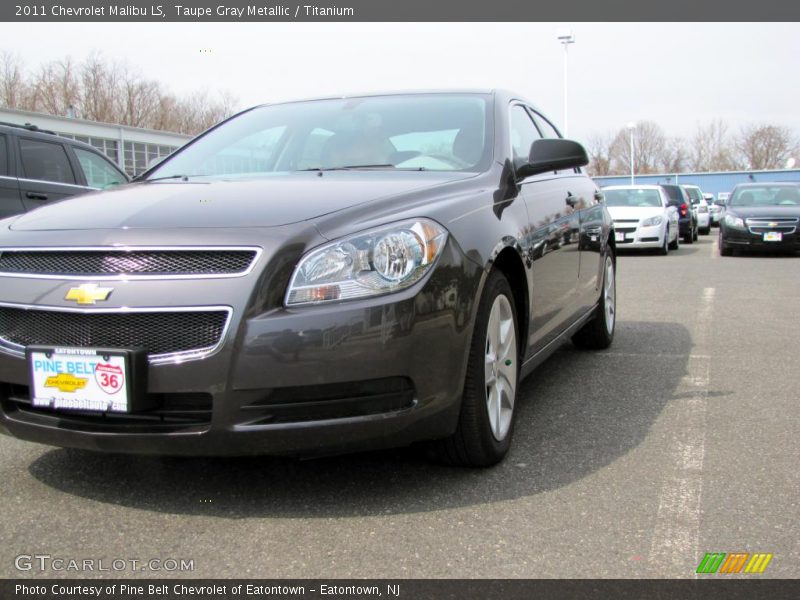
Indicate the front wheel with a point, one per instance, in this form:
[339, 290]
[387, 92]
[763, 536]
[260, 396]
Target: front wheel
[598, 333]
[486, 423]
[724, 249]
[675, 244]
[665, 246]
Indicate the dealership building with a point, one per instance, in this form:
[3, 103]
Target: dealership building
[131, 148]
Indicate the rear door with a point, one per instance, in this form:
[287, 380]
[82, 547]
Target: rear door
[46, 172]
[10, 203]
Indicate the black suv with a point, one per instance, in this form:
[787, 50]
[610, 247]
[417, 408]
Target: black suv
[38, 167]
[687, 221]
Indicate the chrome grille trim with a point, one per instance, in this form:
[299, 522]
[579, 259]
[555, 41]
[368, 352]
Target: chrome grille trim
[759, 225]
[8, 347]
[257, 251]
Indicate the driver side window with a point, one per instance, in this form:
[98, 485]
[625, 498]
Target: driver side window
[523, 133]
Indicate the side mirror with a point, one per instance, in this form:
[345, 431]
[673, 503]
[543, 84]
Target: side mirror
[553, 155]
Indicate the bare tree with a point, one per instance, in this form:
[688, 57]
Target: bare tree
[712, 148]
[56, 87]
[12, 83]
[598, 148]
[649, 141]
[765, 146]
[110, 92]
[672, 158]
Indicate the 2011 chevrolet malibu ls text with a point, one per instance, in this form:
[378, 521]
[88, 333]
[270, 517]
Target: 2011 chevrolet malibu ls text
[307, 278]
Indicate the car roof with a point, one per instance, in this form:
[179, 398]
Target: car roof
[33, 131]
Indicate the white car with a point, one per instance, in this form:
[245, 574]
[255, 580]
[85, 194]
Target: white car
[699, 208]
[642, 217]
[714, 209]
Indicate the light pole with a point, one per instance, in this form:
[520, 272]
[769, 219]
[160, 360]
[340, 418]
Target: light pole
[566, 38]
[632, 128]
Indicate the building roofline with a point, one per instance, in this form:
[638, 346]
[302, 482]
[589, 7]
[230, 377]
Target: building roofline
[34, 115]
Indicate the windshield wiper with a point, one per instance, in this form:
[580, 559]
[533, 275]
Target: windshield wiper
[184, 177]
[350, 167]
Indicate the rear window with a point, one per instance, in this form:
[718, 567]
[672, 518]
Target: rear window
[45, 161]
[694, 194]
[633, 197]
[675, 194]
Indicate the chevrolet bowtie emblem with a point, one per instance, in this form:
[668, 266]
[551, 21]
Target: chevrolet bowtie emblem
[88, 293]
[773, 224]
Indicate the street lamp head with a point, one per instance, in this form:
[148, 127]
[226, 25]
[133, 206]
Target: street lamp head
[565, 36]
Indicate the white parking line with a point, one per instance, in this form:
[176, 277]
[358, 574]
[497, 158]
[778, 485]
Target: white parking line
[673, 550]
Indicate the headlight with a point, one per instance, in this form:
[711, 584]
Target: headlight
[371, 263]
[734, 221]
[652, 221]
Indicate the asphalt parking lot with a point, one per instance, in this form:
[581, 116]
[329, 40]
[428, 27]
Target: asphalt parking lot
[679, 440]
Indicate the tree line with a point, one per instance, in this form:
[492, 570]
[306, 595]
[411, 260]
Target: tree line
[111, 92]
[714, 146]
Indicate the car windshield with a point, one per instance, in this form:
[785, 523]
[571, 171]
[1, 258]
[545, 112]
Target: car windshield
[766, 196]
[438, 132]
[632, 197]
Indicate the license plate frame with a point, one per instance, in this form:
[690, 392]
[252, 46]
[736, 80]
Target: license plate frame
[104, 380]
[619, 236]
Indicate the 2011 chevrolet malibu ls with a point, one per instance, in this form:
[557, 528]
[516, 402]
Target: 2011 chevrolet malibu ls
[307, 278]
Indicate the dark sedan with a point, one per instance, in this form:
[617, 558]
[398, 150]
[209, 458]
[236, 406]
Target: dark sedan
[761, 216]
[307, 278]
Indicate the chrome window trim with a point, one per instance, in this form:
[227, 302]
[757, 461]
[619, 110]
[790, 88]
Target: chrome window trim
[18, 350]
[134, 277]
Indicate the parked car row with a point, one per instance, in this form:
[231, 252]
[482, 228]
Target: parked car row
[657, 216]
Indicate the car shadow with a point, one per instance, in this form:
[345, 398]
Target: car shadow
[578, 412]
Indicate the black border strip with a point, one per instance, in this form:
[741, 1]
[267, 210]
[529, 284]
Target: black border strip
[397, 10]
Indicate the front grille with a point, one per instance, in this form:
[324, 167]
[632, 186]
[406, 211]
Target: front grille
[330, 401]
[159, 333]
[626, 221]
[625, 229]
[782, 224]
[171, 412]
[126, 263]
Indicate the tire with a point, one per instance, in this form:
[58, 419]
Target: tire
[705, 230]
[486, 423]
[598, 333]
[676, 244]
[694, 234]
[664, 250]
[688, 238]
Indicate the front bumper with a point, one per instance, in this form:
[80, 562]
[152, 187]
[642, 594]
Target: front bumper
[641, 237]
[737, 238]
[382, 372]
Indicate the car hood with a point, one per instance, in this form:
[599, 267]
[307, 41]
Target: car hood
[634, 212]
[268, 201]
[745, 212]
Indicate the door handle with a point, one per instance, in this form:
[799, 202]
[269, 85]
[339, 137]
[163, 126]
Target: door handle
[36, 196]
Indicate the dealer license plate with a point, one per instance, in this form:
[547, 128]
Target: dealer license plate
[773, 236]
[80, 379]
[619, 236]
